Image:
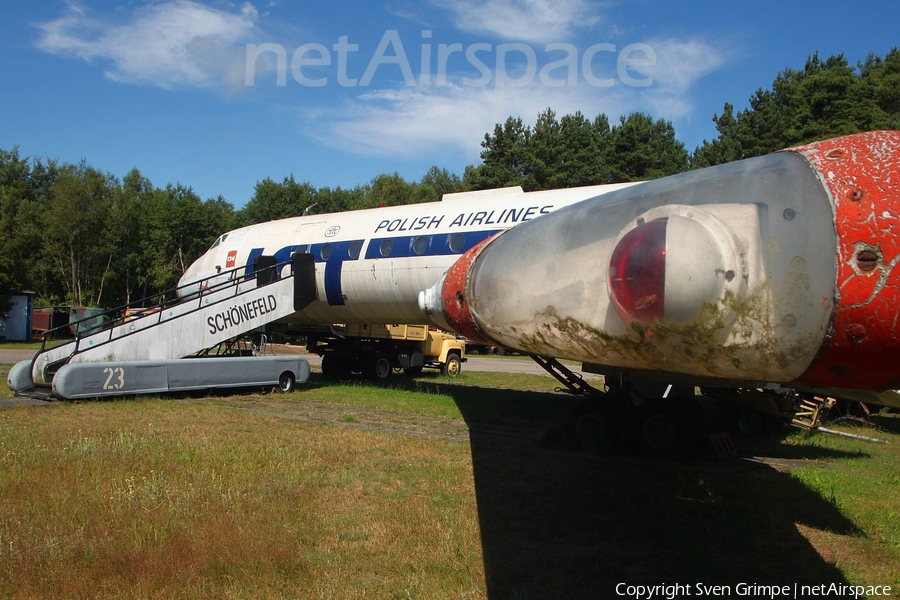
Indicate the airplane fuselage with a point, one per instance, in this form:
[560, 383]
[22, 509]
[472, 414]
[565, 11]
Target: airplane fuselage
[372, 264]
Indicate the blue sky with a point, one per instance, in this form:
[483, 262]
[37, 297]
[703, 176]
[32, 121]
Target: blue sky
[219, 95]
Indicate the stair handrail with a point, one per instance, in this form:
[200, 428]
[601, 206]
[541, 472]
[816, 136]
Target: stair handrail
[235, 277]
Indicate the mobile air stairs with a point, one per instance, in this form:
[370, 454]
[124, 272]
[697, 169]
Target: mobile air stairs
[166, 348]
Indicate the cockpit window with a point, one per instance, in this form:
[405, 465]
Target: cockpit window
[219, 241]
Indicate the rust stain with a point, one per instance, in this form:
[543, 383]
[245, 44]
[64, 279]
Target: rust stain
[453, 296]
[861, 173]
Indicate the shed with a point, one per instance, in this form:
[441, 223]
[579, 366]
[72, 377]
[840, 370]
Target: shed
[15, 325]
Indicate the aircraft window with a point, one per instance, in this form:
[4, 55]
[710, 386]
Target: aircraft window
[219, 241]
[325, 253]
[354, 249]
[387, 246]
[457, 240]
[420, 245]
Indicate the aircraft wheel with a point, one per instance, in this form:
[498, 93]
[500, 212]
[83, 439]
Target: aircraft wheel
[598, 432]
[378, 366]
[667, 429]
[750, 422]
[453, 366]
[286, 382]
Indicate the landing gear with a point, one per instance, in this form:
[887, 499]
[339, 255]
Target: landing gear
[666, 428]
[600, 431]
[657, 420]
[659, 428]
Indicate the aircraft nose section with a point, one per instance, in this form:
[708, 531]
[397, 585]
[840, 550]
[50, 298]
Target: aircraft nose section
[780, 268]
[446, 303]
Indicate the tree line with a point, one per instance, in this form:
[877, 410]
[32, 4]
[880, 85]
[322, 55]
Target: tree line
[78, 236]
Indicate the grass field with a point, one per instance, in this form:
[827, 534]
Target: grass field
[278, 496]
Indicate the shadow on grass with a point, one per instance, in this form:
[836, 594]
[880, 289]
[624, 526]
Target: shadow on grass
[560, 524]
[887, 423]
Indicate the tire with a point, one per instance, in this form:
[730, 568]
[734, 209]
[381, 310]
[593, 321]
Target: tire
[453, 366]
[286, 383]
[750, 422]
[599, 432]
[667, 429]
[378, 366]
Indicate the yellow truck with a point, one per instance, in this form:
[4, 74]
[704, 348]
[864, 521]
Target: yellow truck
[377, 350]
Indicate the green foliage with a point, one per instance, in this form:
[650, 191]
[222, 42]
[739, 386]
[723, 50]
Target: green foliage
[504, 157]
[75, 235]
[827, 98]
[574, 151]
[441, 181]
[642, 148]
[291, 199]
[277, 201]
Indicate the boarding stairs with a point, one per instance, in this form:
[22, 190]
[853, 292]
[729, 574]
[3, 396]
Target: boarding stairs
[217, 309]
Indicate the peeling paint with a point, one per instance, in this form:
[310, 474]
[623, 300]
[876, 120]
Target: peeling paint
[861, 177]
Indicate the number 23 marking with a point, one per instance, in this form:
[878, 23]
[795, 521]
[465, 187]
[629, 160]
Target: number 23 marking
[114, 372]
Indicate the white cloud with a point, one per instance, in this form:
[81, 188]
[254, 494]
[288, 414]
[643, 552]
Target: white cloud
[523, 20]
[680, 64]
[410, 121]
[169, 45]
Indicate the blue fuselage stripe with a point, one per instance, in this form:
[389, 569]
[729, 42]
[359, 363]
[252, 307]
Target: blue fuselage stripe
[335, 254]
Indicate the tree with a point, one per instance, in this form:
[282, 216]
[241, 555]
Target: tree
[504, 157]
[272, 201]
[642, 148]
[725, 148]
[574, 151]
[441, 181]
[827, 98]
[393, 190]
[78, 243]
[176, 228]
[25, 187]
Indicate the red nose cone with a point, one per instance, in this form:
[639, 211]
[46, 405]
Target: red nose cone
[454, 298]
[862, 175]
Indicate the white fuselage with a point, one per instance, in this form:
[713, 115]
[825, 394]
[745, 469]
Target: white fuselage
[372, 264]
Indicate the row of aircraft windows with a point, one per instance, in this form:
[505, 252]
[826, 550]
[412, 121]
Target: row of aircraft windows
[420, 245]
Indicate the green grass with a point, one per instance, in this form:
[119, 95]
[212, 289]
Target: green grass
[237, 497]
[32, 345]
[152, 498]
[865, 490]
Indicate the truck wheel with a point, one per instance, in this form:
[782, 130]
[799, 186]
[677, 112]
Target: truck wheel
[286, 382]
[453, 365]
[378, 366]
